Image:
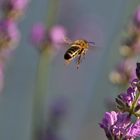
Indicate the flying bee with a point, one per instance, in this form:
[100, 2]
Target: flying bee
[78, 49]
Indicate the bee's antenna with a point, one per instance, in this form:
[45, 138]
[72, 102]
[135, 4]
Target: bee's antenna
[92, 43]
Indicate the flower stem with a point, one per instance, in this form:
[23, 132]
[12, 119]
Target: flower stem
[40, 91]
[42, 74]
[135, 103]
[53, 6]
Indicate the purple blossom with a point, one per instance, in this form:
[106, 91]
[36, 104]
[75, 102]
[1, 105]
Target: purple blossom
[13, 32]
[119, 126]
[128, 97]
[134, 130]
[59, 107]
[57, 35]
[38, 34]
[9, 34]
[125, 72]
[136, 17]
[109, 119]
[18, 4]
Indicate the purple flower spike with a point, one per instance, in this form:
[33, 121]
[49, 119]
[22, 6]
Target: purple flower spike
[57, 35]
[9, 34]
[59, 107]
[128, 97]
[18, 4]
[134, 83]
[13, 32]
[115, 124]
[38, 34]
[134, 130]
[109, 119]
[137, 17]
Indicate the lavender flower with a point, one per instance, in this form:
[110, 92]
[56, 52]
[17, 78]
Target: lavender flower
[9, 34]
[38, 34]
[57, 35]
[18, 4]
[13, 33]
[41, 37]
[119, 125]
[129, 101]
[59, 107]
[124, 73]
[58, 110]
[136, 18]
[116, 125]
[15, 8]
[134, 130]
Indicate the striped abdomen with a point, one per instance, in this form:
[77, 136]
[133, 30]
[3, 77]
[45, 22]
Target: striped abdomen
[72, 52]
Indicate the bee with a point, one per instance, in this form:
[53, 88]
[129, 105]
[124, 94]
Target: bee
[78, 49]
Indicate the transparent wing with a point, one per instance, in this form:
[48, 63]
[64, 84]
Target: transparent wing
[67, 40]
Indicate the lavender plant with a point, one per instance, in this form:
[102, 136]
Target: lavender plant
[129, 49]
[124, 124]
[42, 38]
[47, 40]
[57, 113]
[9, 33]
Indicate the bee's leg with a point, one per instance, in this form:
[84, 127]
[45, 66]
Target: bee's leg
[67, 62]
[79, 61]
[84, 53]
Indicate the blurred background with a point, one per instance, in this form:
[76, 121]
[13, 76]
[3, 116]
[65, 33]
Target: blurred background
[71, 102]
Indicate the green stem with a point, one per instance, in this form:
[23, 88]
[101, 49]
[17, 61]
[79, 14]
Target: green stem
[135, 103]
[40, 90]
[52, 12]
[42, 73]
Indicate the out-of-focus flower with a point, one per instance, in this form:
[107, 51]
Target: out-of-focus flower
[9, 34]
[18, 4]
[13, 33]
[124, 72]
[59, 107]
[58, 110]
[136, 18]
[57, 35]
[15, 8]
[38, 34]
[127, 49]
[54, 36]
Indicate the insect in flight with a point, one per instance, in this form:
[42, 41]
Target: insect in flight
[78, 49]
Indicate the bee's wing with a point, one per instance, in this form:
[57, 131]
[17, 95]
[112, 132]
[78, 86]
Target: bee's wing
[93, 47]
[67, 41]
